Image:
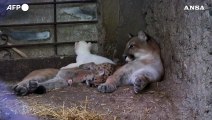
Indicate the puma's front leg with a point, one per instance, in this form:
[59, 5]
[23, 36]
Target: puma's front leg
[115, 80]
[109, 86]
[112, 81]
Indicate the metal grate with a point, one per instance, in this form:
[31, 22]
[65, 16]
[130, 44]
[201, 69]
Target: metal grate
[55, 23]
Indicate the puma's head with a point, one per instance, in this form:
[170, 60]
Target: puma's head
[82, 47]
[140, 47]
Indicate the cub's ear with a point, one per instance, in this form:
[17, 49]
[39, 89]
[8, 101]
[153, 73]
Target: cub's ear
[142, 36]
[75, 44]
[89, 44]
[130, 35]
[101, 72]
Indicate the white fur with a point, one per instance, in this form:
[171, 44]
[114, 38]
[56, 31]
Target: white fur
[142, 56]
[128, 59]
[82, 50]
[148, 69]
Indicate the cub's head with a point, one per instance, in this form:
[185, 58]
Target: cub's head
[97, 79]
[82, 47]
[140, 47]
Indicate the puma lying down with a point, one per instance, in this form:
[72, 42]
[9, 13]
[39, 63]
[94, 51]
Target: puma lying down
[144, 65]
[40, 81]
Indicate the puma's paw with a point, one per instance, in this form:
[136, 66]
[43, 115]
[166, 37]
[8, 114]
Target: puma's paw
[139, 85]
[20, 90]
[33, 85]
[106, 88]
[137, 89]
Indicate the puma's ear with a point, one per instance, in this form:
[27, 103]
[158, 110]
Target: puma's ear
[101, 72]
[130, 35]
[142, 36]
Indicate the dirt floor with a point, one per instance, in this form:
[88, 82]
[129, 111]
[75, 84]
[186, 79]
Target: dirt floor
[152, 104]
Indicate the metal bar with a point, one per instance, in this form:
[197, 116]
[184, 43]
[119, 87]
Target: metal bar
[55, 27]
[40, 44]
[55, 23]
[52, 23]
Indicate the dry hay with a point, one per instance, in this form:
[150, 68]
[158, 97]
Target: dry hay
[64, 113]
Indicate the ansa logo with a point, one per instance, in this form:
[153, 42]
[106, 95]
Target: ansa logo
[194, 7]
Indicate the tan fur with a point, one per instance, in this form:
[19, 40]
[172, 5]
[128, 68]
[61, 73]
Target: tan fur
[41, 74]
[144, 65]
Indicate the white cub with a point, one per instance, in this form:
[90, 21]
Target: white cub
[82, 50]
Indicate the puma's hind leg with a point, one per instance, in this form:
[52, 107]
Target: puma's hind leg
[140, 83]
[142, 79]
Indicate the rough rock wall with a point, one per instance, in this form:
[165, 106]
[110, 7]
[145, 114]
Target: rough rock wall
[186, 41]
[185, 38]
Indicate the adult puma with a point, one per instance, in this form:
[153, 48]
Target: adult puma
[144, 65]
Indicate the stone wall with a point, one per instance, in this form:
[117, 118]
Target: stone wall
[185, 38]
